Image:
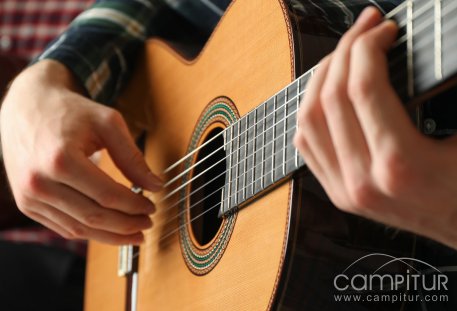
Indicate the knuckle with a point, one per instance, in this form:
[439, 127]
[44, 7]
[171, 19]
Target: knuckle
[76, 231]
[331, 95]
[136, 158]
[394, 174]
[362, 195]
[32, 184]
[58, 162]
[112, 117]
[363, 43]
[345, 42]
[359, 88]
[108, 198]
[94, 220]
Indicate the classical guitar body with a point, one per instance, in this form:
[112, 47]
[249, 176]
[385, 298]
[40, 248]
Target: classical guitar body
[283, 246]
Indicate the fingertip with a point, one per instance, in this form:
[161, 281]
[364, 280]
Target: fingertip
[147, 223]
[386, 34]
[151, 208]
[368, 14]
[153, 182]
[391, 26]
[137, 239]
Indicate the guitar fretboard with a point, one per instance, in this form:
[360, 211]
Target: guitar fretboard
[259, 146]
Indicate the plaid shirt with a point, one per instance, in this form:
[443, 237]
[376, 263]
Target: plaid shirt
[27, 26]
[101, 44]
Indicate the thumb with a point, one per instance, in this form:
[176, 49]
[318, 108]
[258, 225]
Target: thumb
[116, 138]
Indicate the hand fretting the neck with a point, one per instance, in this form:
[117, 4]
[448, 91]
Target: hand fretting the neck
[260, 150]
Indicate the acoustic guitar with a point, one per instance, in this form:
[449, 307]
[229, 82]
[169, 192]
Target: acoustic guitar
[241, 223]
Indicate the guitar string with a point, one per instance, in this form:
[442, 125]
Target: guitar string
[449, 10]
[225, 172]
[163, 223]
[177, 177]
[278, 110]
[254, 154]
[284, 119]
[249, 140]
[391, 14]
[170, 232]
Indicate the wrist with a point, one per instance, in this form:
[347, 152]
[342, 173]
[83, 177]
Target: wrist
[49, 74]
[44, 82]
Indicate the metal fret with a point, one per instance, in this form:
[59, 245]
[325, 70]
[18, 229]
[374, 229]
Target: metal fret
[254, 149]
[238, 162]
[262, 185]
[125, 260]
[224, 204]
[240, 155]
[438, 39]
[258, 148]
[245, 156]
[273, 147]
[409, 47]
[296, 121]
[230, 139]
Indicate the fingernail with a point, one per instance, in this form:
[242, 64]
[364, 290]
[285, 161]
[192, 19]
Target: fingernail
[137, 239]
[155, 183]
[150, 208]
[147, 223]
[366, 14]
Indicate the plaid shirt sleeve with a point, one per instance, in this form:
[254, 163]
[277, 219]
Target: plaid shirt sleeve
[100, 43]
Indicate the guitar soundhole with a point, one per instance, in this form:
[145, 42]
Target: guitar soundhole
[206, 189]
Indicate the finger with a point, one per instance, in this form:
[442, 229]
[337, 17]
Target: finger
[49, 216]
[49, 224]
[314, 140]
[345, 130]
[116, 137]
[377, 106]
[78, 172]
[88, 212]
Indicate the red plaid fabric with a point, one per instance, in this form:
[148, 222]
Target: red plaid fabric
[26, 27]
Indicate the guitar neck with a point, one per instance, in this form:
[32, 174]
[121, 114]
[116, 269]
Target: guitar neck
[259, 146]
[423, 56]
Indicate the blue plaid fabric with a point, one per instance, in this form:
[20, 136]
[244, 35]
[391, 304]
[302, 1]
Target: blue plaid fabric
[100, 45]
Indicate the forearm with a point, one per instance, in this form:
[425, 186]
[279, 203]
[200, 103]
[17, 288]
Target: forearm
[101, 45]
[49, 73]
